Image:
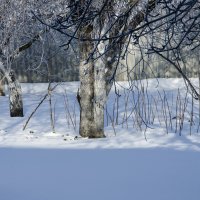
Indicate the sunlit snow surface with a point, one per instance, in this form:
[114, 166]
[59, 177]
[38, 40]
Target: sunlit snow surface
[39, 133]
[37, 164]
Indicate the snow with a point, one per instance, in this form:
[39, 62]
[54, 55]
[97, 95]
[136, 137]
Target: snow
[50, 174]
[38, 133]
[37, 164]
[101, 47]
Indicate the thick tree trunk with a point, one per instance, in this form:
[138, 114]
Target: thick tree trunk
[86, 93]
[91, 112]
[15, 96]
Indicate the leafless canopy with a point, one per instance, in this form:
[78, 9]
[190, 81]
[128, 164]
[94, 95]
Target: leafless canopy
[177, 20]
[168, 26]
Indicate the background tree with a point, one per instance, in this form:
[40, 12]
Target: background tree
[11, 21]
[18, 31]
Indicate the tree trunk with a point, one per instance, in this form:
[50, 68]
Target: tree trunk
[15, 96]
[99, 96]
[2, 93]
[91, 112]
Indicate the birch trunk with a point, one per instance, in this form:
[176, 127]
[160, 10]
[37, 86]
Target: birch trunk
[86, 93]
[91, 113]
[2, 93]
[99, 96]
[15, 96]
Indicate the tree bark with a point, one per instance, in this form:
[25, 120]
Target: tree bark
[99, 96]
[86, 93]
[15, 96]
[91, 112]
[2, 93]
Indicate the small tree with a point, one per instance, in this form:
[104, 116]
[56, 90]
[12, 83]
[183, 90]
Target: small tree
[18, 31]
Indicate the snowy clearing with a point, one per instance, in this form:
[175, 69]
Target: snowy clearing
[122, 134]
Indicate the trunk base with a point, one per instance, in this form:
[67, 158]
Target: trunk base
[2, 93]
[97, 135]
[17, 113]
[93, 134]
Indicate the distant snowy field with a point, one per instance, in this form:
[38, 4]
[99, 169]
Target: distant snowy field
[155, 163]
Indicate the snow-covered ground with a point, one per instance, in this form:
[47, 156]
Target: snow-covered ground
[155, 162]
[123, 134]
[59, 174]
